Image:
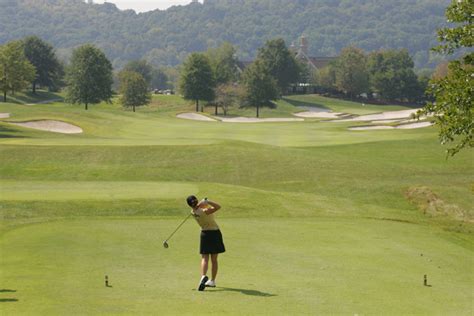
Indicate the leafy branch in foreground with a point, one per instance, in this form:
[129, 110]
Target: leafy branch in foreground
[454, 94]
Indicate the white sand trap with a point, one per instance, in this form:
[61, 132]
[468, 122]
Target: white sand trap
[195, 117]
[313, 114]
[258, 120]
[51, 126]
[391, 115]
[403, 126]
[4, 115]
[415, 125]
[386, 121]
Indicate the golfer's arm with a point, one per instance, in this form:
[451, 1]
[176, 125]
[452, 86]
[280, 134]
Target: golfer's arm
[215, 207]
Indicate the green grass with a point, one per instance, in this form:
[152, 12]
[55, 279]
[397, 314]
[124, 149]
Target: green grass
[273, 266]
[30, 97]
[314, 217]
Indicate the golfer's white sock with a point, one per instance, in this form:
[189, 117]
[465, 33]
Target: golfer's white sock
[211, 283]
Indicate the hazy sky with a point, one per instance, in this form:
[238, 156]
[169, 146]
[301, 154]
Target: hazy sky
[144, 5]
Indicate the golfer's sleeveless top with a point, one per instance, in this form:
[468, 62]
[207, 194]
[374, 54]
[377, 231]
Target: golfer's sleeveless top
[207, 222]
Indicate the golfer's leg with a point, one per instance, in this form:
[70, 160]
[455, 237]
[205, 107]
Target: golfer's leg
[204, 264]
[215, 266]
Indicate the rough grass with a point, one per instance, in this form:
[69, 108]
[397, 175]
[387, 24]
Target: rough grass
[431, 204]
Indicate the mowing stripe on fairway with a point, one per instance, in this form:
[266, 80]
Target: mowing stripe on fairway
[92, 190]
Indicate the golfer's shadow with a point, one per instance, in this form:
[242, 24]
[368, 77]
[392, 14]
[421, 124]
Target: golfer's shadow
[243, 291]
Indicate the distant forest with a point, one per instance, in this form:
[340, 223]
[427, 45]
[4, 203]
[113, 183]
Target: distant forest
[165, 38]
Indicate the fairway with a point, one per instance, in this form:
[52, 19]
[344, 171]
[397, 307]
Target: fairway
[316, 218]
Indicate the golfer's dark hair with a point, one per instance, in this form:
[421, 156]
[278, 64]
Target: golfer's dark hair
[191, 199]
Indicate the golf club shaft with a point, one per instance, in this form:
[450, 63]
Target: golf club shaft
[178, 227]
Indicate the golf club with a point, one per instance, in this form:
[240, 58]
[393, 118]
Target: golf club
[165, 243]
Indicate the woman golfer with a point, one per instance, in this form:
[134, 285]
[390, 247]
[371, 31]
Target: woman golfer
[211, 238]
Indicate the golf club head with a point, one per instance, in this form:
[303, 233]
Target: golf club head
[165, 244]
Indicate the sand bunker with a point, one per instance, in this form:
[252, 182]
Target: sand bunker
[391, 115]
[195, 117]
[314, 114]
[403, 126]
[51, 126]
[200, 117]
[4, 115]
[258, 120]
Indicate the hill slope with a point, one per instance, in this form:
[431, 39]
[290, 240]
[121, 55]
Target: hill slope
[166, 37]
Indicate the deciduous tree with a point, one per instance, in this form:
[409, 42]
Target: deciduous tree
[392, 74]
[41, 55]
[134, 89]
[454, 93]
[228, 95]
[261, 86]
[15, 70]
[280, 63]
[142, 67]
[89, 77]
[197, 80]
[224, 63]
[351, 71]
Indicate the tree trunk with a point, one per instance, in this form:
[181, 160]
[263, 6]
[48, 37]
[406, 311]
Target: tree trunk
[216, 109]
[197, 105]
[4, 96]
[134, 108]
[258, 108]
[34, 87]
[86, 106]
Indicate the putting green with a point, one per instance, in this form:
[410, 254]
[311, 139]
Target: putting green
[272, 266]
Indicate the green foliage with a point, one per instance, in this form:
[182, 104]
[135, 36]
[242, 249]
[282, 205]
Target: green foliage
[280, 63]
[142, 67]
[228, 95]
[351, 72]
[156, 78]
[15, 70]
[159, 79]
[454, 89]
[392, 75]
[89, 77]
[261, 86]
[326, 77]
[460, 12]
[49, 71]
[197, 79]
[223, 61]
[134, 89]
[165, 38]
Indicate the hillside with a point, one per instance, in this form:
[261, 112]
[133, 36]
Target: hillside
[166, 37]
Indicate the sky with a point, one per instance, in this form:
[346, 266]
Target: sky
[145, 5]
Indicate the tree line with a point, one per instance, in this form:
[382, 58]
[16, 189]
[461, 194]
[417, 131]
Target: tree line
[88, 77]
[217, 77]
[386, 75]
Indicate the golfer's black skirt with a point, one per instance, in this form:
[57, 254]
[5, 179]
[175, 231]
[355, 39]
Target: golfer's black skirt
[211, 242]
